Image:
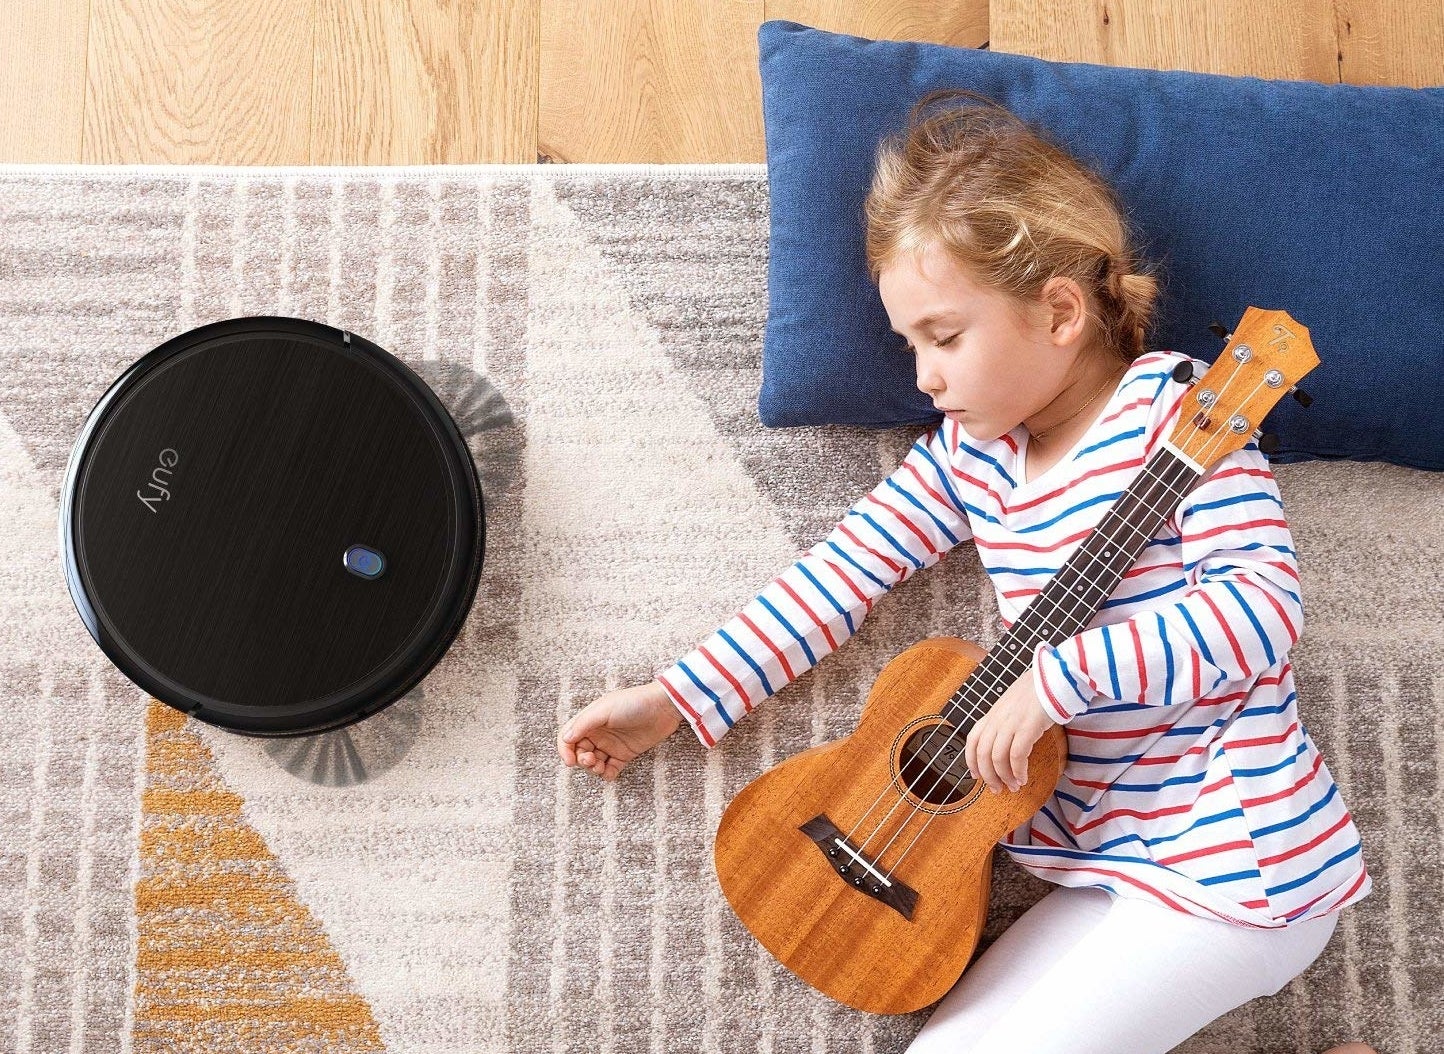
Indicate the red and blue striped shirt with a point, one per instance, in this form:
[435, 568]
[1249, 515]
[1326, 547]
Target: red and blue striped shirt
[1190, 779]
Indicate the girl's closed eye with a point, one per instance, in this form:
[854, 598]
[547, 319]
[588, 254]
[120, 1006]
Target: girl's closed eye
[941, 343]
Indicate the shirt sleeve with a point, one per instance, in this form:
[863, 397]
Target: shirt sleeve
[1239, 614]
[906, 523]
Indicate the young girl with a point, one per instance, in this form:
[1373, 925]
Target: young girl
[1201, 850]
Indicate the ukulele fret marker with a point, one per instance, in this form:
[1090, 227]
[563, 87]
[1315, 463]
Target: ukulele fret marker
[1078, 590]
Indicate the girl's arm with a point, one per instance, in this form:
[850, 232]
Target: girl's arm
[1239, 616]
[906, 523]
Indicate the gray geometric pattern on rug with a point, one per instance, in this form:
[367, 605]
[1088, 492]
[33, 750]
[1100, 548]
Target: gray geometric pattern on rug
[635, 502]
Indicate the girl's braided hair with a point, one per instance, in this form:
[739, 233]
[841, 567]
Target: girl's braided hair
[1013, 208]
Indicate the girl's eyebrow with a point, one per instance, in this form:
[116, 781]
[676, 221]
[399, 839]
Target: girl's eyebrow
[923, 323]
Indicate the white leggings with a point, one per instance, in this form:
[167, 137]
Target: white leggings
[1084, 971]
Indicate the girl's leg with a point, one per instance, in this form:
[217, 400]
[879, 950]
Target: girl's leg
[1010, 967]
[1135, 978]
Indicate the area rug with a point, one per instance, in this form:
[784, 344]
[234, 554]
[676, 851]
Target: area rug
[167, 886]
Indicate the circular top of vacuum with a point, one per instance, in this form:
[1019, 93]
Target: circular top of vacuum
[272, 525]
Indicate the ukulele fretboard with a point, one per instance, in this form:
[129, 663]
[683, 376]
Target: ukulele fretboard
[1083, 584]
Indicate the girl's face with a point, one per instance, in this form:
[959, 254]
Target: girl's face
[979, 360]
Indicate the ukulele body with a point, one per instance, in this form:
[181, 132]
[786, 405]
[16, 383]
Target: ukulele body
[902, 950]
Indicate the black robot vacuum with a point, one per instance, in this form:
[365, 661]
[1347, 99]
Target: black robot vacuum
[272, 525]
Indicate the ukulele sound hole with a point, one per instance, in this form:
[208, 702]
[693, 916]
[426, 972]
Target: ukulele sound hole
[932, 764]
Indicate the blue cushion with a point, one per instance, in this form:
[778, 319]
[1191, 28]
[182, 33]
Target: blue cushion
[1322, 200]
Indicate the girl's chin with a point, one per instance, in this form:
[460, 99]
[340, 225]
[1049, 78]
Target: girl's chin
[971, 423]
[976, 431]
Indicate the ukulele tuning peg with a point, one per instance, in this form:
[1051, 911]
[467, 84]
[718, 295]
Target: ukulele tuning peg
[1302, 396]
[1219, 330]
[1267, 441]
[1183, 372]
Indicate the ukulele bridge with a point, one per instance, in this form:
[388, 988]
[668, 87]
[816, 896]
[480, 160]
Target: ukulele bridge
[855, 869]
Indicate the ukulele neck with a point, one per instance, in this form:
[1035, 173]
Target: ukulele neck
[1084, 583]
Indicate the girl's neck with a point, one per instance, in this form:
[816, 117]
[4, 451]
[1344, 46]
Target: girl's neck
[1076, 407]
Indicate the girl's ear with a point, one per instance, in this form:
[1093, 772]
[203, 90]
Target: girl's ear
[1064, 299]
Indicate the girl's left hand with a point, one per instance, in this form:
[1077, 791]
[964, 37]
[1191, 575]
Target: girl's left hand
[998, 746]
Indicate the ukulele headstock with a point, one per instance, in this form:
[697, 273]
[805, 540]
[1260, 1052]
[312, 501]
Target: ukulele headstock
[1263, 361]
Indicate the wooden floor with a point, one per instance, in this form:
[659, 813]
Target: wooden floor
[385, 82]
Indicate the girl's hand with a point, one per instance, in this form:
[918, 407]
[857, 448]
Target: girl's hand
[615, 728]
[999, 744]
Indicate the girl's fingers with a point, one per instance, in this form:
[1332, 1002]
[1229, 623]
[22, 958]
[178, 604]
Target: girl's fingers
[1018, 762]
[579, 751]
[982, 758]
[1002, 761]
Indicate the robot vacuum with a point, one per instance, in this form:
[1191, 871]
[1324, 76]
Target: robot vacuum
[272, 525]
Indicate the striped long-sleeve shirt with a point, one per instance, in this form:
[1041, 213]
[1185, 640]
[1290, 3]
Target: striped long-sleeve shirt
[1190, 778]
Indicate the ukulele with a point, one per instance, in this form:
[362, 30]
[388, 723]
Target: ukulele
[863, 865]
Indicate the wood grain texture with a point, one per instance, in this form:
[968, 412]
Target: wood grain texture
[791, 896]
[330, 82]
[42, 79]
[1329, 41]
[1273, 343]
[1388, 42]
[190, 81]
[629, 80]
[424, 82]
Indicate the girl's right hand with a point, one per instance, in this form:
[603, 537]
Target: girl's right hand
[612, 730]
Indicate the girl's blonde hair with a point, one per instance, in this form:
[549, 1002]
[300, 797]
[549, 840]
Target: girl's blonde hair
[1013, 208]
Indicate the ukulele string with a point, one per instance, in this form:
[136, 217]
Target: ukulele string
[1203, 454]
[974, 713]
[1167, 492]
[1207, 448]
[976, 710]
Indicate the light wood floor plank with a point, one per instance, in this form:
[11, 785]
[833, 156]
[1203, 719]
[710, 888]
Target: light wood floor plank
[425, 82]
[42, 79]
[1283, 39]
[198, 81]
[1389, 42]
[303, 82]
[960, 23]
[630, 80]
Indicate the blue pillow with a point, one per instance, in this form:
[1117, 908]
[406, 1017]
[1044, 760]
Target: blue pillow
[1322, 200]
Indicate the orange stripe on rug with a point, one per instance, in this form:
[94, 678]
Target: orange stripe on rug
[229, 958]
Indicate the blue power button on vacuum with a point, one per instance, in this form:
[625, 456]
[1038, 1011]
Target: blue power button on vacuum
[367, 563]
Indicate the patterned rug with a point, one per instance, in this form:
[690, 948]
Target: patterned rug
[170, 886]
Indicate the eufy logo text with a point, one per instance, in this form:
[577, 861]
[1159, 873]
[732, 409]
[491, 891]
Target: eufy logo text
[158, 489]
